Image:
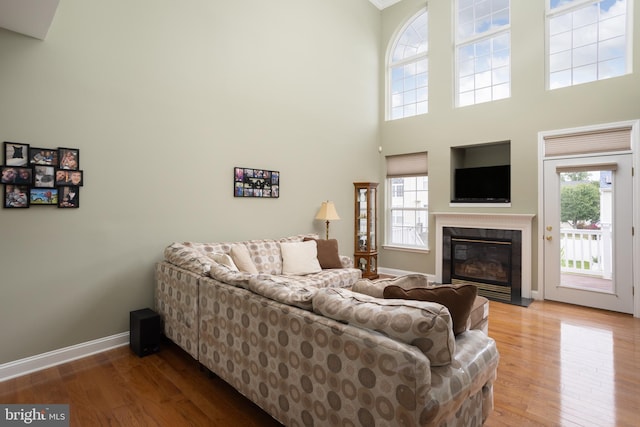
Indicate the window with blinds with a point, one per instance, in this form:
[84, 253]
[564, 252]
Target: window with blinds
[407, 201]
[599, 141]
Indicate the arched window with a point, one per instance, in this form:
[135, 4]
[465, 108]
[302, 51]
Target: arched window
[408, 93]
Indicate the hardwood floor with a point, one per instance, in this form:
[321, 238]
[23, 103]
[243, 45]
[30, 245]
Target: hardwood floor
[560, 365]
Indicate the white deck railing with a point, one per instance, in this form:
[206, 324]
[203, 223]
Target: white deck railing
[586, 252]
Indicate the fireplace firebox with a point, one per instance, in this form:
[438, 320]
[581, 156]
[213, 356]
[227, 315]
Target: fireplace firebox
[488, 258]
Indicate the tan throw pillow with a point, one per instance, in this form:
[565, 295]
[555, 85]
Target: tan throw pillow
[457, 298]
[300, 258]
[328, 255]
[242, 259]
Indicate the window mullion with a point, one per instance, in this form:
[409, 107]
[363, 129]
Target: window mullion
[409, 60]
[569, 7]
[482, 36]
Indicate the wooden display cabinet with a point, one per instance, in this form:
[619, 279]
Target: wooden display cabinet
[366, 219]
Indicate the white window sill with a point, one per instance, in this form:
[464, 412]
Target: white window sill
[405, 249]
[479, 205]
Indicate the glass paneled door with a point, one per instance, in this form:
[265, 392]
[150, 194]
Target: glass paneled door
[588, 241]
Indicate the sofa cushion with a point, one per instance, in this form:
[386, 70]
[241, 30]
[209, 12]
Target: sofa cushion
[184, 255]
[328, 254]
[283, 289]
[242, 259]
[225, 275]
[375, 288]
[224, 259]
[457, 298]
[425, 325]
[266, 255]
[300, 258]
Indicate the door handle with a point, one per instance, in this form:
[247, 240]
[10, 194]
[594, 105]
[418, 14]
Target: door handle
[549, 238]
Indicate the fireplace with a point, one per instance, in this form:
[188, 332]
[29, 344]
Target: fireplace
[491, 251]
[487, 258]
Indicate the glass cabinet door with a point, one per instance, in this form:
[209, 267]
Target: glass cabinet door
[365, 245]
[361, 226]
[371, 226]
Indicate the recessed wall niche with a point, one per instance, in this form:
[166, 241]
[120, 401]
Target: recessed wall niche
[492, 185]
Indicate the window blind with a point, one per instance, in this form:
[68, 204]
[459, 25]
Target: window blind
[599, 141]
[588, 168]
[403, 165]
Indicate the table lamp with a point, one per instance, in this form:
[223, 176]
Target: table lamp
[327, 213]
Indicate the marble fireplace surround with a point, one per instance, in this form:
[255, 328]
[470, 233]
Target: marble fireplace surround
[521, 222]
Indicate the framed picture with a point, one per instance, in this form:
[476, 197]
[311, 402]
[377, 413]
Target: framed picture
[16, 154]
[67, 178]
[69, 197]
[16, 196]
[32, 176]
[16, 175]
[44, 196]
[248, 182]
[43, 156]
[44, 176]
[69, 158]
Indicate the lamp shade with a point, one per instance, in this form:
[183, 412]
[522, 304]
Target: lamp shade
[327, 212]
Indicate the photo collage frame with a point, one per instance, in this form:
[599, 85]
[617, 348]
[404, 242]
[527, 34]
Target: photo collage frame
[34, 176]
[249, 182]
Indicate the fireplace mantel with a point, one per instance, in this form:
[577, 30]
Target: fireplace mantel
[521, 222]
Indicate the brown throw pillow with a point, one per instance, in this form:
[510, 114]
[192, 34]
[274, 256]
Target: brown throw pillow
[457, 298]
[328, 256]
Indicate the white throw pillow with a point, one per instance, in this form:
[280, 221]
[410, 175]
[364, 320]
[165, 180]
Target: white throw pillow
[300, 258]
[224, 259]
[242, 259]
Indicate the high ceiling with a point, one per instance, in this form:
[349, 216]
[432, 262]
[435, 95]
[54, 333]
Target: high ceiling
[34, 17]
[29, 17]
[381, 4]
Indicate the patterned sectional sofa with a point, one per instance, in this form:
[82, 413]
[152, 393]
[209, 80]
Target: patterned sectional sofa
[311, 352]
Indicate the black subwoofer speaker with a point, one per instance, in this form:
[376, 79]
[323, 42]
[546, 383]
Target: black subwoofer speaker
[145, 328]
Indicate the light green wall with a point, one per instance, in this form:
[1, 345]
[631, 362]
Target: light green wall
[518, 119]
[163, 98]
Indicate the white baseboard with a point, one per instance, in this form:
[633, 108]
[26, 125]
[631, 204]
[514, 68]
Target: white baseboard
[63, 355]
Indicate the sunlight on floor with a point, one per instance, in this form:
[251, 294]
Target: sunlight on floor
[587, 375]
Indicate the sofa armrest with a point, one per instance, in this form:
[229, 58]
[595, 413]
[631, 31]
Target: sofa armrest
[185, 256]
[176, 301]
[346, 261]
[425, 325]
[479, 317]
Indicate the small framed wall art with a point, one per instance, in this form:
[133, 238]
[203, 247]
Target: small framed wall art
[44, 196]
[16, 154]
[69, 158]
[16, 175]
[66, 178]
[43, 156]
[16, 196]
[69, 197]
[249, 182]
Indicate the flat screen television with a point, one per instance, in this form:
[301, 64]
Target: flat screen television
[488, 184]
